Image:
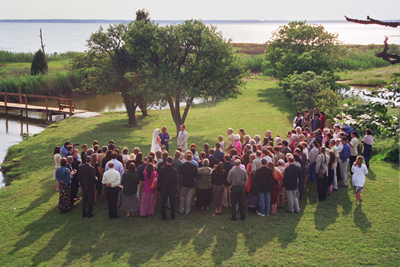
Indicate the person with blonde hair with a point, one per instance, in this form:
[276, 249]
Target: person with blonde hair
[359, 171]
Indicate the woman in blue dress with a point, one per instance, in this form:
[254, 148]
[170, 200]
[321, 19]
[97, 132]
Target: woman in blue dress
[164, 136]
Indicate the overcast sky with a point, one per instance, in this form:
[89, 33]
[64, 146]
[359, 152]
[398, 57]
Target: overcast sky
[205, 9]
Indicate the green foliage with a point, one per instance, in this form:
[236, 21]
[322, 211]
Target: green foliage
[363, 57]
[300, 47]
[308, 90]
[386, 149]
[373, 116]
[148, 63]
[6, 56]
[59, 83]
[39, 63]
[254, 64]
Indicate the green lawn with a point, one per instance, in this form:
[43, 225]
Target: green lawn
[335, 232]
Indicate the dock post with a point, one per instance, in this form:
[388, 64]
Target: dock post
[5, 102]
[26, 106]
[51, 116]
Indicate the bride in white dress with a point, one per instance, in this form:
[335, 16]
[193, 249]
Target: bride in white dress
[156, 141]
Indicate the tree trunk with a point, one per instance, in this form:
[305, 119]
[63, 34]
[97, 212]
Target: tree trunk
[176, 112]
[130, 105]
[143, 108]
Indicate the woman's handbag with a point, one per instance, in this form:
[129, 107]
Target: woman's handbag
[154, 183]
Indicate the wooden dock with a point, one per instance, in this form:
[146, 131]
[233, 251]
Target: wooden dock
[64, 108]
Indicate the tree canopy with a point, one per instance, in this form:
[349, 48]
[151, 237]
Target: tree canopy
[173, 64]
[300, 47]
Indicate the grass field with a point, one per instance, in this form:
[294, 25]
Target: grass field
[335, 232]
[22, 68]
[373, 77]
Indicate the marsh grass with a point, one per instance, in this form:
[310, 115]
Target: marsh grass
[334, 232]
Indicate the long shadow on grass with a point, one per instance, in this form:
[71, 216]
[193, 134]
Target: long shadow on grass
[361, 220]
[41, 199]
[277, 98]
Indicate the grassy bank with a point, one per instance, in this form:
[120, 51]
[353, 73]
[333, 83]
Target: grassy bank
[371, 77]
[335, 232]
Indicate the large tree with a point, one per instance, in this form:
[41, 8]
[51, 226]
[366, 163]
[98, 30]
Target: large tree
[109, 67]
[183, 62]
[300, 47]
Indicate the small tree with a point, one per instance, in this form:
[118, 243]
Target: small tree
[39, 63]
[300, 47]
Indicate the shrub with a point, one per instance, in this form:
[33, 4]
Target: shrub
[39, 63]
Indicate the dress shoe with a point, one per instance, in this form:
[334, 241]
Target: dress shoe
[164, 218]
[91, 215]
[117, 217]
[289, 211]
[233, 219]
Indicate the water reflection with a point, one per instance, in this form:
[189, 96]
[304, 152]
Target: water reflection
[11, 128]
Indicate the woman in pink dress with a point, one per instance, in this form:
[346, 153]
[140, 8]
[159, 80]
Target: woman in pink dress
[149, 195]
[238, 144]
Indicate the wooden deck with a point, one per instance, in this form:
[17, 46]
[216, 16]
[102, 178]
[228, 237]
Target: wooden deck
[50, 111]
[64, 108]
[53, 110]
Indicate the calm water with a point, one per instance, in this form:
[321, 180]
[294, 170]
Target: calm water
[63, 37]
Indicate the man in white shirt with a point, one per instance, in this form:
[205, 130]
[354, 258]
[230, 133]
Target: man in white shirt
[333, 148]
[353, 148]
[112, 179]
[182, 138]
[117, 165]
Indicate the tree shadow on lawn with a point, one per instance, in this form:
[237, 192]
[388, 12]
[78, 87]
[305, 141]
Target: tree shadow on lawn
[276, 97]
[41, 199]
[142, 240]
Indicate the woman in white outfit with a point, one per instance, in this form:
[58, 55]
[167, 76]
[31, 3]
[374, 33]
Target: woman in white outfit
[359, 171]
[156, 142]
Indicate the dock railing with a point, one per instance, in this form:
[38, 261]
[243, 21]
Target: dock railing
[63, 99]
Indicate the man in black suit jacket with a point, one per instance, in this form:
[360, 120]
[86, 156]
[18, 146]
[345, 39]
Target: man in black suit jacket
[167, 181]
[188, 173]
[88, 180]
[213, 160]
[263, 180]
[290, 183]
[316, 123]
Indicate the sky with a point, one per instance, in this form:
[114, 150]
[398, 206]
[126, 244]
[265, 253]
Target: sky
[204, 9]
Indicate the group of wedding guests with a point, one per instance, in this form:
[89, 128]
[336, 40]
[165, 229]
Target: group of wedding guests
[268, 171]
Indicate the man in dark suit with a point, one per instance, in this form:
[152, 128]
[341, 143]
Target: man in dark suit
[88, 180]
[213, 160]
[74, 180]
[290, 183]
[167, 182]
[219, 155]
[316, 123]
[188, 173]
[226, 199]
[263, 180]
[285, 148]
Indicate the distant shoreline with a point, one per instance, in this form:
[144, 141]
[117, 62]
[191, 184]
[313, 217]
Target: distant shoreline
[157, 21]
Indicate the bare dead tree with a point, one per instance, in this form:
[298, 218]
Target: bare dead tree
[374, 21]
[391, 58]
[41, 40]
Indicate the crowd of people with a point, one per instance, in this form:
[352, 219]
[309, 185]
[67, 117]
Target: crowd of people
[267, 172]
